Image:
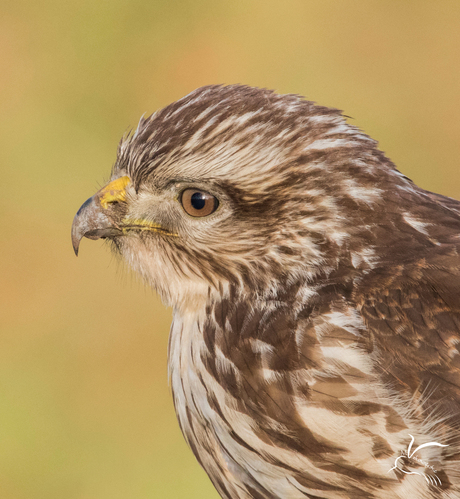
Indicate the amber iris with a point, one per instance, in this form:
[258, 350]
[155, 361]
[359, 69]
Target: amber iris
[198, 203]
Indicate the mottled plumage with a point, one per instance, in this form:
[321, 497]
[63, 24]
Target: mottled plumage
[316, 310]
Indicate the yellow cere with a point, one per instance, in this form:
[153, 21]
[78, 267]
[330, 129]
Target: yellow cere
[114, 191]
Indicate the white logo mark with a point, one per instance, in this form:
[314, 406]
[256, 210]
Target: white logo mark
[410, 454]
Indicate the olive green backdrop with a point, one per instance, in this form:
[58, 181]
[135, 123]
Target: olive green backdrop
[85, 408]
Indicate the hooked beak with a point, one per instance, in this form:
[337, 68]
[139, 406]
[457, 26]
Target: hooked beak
[97, 217]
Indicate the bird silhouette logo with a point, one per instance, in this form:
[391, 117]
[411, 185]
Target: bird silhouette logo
[432, 479]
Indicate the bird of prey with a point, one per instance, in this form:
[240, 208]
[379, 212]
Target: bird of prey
[314, 350]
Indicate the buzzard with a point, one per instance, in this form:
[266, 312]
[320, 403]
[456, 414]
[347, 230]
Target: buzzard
[314, 350]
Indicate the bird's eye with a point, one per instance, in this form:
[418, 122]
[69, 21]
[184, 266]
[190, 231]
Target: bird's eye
[198, 203]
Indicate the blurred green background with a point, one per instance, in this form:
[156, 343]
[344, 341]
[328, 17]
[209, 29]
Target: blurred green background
[85, 408]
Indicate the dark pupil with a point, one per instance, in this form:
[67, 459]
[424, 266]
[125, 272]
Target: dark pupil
[198, 200]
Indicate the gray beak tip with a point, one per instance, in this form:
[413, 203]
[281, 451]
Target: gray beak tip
[75, 249]
[91, 221]
[76, 235]
[80, 224]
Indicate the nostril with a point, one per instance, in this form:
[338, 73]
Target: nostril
[110, 199]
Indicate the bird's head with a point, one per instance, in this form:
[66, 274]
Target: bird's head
[236, 186]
